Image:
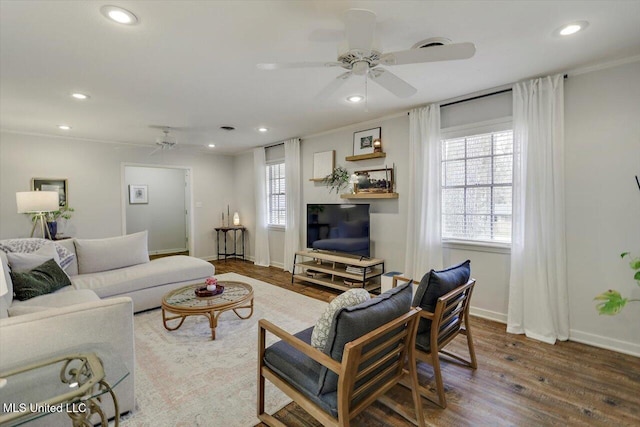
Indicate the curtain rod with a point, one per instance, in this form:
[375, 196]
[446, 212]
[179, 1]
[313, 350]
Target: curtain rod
[274, 145]
[483, 96]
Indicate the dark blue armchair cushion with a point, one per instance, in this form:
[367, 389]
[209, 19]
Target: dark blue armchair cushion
[350, 323]
[435, 284]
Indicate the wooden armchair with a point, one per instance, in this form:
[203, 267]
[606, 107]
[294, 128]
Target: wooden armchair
[440, 326]
[366, 354]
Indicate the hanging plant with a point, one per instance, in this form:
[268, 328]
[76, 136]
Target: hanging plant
[338, 179]
[611, 301]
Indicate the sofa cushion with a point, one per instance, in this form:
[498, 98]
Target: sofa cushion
[21, 262]
[351, 323]
[112, 253]
[72, 267]
[435, 284]
[43, 279]
[349, 298]
[30, 245]
[62, 298]
[161, 271]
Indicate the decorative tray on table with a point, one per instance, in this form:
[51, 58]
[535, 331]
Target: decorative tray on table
[203, 292]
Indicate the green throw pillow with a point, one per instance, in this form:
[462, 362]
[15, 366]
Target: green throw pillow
[44, 279]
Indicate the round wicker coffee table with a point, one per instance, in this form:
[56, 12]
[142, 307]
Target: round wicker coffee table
[183, 302]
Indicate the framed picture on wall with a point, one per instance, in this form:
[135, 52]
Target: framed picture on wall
[363, 141]
[52, 184]
[138, 194]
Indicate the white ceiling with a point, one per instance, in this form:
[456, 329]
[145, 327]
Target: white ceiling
[191, 65]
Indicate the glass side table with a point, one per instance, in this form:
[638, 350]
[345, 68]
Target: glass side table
[74, 384]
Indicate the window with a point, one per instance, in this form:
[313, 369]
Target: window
[476, 187]
[276, 196]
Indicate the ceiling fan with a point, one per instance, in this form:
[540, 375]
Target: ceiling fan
[360, 55]
[165, 142]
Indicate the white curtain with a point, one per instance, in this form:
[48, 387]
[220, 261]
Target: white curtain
[262, 232]
[292, 190]
[538, 296]
[424, 236]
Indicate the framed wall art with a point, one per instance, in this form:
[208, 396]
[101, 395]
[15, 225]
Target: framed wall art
[138, 194]
[323, 164]
[52, 184]
[363, 141]
[375, 181]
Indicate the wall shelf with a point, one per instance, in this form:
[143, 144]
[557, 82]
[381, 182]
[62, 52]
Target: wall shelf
[370, 196]
[316, 179]
[365, 156]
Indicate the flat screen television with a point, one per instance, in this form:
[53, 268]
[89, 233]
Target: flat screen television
[339, 227]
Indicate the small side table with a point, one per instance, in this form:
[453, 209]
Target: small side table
[73, 383]
[231, 229]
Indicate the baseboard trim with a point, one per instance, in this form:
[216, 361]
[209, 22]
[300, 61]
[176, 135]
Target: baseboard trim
[488, 314]
[607, 343]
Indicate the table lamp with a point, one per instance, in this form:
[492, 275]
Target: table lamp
[38, 203]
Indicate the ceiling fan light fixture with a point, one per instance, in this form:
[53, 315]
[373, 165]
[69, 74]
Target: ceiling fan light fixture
[119, 15]
[355, 98]
[571, 28]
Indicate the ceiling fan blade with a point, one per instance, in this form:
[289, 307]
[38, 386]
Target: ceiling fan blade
[360, 27]
[283, 65]
[332, 87]
[392, 83]
[447, 52]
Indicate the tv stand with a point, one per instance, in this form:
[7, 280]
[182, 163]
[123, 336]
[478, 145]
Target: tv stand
[330, 269]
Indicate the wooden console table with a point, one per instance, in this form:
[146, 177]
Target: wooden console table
[231, 229]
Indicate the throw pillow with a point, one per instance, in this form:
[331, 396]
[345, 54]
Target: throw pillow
[435, 284]
[320, 333]
[21, 262]
[111, 253]
[31, 245]
[43, 279]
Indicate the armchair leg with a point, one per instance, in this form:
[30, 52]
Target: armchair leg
[472, 351]
[435, 362]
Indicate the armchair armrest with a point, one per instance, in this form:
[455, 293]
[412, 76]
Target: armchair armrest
[298, 344]
[402, 279]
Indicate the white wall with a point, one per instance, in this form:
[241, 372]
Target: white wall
[243, 188]
[602, 134]
[95, 187]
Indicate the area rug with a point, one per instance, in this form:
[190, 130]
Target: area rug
[183, 378]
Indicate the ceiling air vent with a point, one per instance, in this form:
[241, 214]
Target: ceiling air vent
[430, 42]
[227, 128]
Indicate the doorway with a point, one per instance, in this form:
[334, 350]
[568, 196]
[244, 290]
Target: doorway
[157, 199]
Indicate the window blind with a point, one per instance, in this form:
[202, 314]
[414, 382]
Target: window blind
[276, 196]
[477, 187]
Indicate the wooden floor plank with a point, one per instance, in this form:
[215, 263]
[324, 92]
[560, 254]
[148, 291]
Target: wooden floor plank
[519, 382]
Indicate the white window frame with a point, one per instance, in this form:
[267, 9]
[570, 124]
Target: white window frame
[271, 225]
[489, 126]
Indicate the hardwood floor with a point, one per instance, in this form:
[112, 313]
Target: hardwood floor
[519, 382]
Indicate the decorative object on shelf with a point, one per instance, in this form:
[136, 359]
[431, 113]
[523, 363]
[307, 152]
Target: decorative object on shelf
[38, 204]
[363, 141]
[236, 218]
[323, 164]
[353, 181]
[59, 185]
[374, 181]
[611, 301]
[138, 194]
[337, 180]
[377, 145]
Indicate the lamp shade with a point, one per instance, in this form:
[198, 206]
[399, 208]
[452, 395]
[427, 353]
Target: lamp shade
[37, 201]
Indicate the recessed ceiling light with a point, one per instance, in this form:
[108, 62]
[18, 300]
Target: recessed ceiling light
[355, 98]
[79, 95]
[572, 28]
[119, 15]
[211, 145]
[64, 127]
[263, 129]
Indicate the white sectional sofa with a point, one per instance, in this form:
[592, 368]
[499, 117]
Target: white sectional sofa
[111, 279]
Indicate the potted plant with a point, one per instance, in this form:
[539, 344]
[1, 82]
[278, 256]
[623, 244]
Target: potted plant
[611, 301]
[338, 179]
